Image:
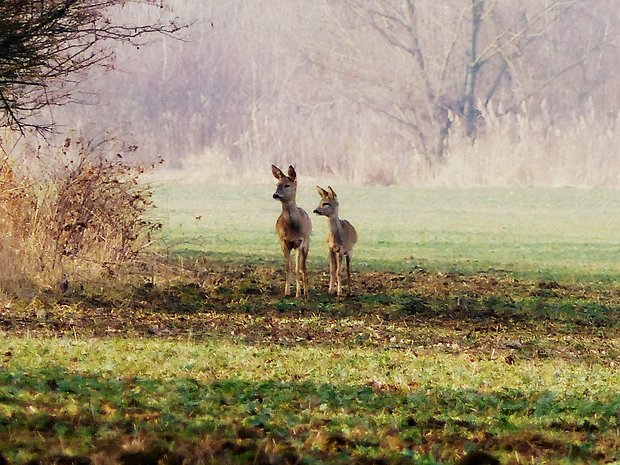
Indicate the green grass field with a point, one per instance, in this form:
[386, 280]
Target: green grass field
[230, 403]
[563, 233]
[482, 319]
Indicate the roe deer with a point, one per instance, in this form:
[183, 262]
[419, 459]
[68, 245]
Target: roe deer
[341, 237]
[293, 228]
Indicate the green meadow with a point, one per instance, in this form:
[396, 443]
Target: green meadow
[482, 320]
[220, 402]
[563, 233]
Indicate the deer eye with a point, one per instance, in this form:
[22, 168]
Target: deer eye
[287, 186]
[325, 204]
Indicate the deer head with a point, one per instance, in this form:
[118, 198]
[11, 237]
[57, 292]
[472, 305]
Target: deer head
[287, 185]
[328, 205]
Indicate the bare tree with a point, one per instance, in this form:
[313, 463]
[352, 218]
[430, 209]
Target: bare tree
[45, 45]
[445, 58]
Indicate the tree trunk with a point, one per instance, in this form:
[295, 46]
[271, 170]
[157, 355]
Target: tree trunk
[470, 111]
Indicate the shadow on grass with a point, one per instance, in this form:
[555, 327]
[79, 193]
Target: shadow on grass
[182, 420]
[423, 294]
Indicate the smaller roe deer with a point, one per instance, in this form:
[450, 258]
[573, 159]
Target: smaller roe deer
[340, 238]
[293, 228]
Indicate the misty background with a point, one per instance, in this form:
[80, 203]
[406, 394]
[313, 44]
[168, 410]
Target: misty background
[454, 93]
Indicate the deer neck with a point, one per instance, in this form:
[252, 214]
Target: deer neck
[291, 212]
[335, 225]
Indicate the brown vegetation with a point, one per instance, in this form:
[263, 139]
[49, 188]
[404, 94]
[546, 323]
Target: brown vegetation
[80, 214]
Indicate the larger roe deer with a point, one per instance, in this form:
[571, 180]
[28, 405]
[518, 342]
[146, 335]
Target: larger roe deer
[293, 228]
[341, 237]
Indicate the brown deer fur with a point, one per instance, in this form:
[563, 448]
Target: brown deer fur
[293, 228]
[341, 237]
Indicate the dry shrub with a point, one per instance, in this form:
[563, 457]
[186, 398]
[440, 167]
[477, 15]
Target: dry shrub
[16, 208]
[80, 215]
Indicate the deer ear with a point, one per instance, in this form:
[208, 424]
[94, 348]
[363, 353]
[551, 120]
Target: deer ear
[291, 173]
[277, 172]
[322, 192]
[332, 194]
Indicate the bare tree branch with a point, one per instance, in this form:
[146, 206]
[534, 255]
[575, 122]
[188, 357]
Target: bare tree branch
[46, 44]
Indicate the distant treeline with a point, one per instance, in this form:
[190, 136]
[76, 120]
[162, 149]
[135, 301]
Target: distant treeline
[474, 92]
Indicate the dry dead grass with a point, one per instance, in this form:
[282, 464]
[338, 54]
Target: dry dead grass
[524, 149]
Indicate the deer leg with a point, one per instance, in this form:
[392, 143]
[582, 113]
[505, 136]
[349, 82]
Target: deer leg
[287, 270]
[349, 272]
[338, 272]
[332, 271]
[304, 269]
[298, 272]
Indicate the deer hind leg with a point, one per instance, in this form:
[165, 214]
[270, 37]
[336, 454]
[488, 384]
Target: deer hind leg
[287, 270]
[298, 272]
[349, 272]
[332, 271]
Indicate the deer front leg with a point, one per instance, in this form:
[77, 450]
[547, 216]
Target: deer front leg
[302, 268]
[298, 272]
[287, 270]
[338, 272]
[332, 271]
